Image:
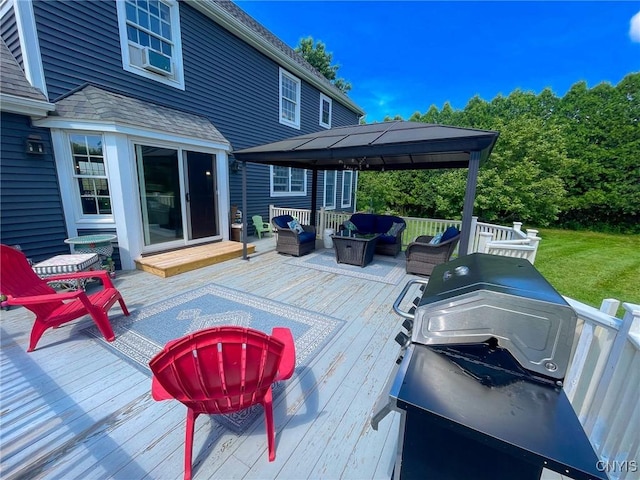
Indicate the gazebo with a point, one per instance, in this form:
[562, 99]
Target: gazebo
[398, 145]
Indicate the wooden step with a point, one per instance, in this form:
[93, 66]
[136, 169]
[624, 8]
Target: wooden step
[168, 264]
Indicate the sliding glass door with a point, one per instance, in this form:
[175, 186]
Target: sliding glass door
[178, 196]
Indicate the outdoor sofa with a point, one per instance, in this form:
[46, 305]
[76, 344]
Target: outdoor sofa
[389, 227]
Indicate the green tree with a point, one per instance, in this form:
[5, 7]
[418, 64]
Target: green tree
[317, 55]
[572, 161]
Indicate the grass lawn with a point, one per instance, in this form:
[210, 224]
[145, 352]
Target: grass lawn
[589, 266]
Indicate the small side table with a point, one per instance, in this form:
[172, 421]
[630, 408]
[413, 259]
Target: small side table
[100, 244]
[77, 262]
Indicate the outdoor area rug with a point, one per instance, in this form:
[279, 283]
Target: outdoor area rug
[381, 269]
[145, 332]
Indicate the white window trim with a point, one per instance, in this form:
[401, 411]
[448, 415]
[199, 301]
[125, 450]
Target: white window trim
[346, 204]
[68, 183]
[289, 193]
[284, 121]
[76, 176]
[335, 189]
[324, 98]
[178, 80]
[29, 43]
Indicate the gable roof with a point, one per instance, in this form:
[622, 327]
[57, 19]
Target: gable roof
[398, 145]
[17, 95]
[237, 21]
[93, 104]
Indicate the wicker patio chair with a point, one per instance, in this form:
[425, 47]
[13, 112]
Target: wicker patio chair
[422, 257]
[290, 242]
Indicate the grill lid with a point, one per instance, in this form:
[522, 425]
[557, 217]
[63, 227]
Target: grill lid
[481, 297]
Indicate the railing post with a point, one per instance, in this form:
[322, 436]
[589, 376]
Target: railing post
[534, 241]
[634, 310]
[483, 241]
[322, 221]
[610, 306]
[473, 244]
[271, 215]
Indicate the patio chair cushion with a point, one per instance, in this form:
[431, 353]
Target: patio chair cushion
[282, 220]
[449, 233]
[364, 222]
[306, 237]
[385, 238]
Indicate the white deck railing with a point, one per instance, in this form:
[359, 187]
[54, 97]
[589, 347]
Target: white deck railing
[603, 384]
[487, 238]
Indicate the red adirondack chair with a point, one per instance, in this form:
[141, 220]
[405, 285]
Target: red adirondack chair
[223, 370]
[22, 286]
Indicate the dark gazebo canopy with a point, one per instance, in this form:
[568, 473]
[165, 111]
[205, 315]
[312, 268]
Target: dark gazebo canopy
[384, 146]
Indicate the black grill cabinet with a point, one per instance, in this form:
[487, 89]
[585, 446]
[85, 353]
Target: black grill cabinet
[479, 377]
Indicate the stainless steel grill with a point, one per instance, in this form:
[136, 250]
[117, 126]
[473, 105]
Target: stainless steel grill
[484, 351]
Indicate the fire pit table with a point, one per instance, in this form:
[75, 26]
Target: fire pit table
[354, 249]
[100, 244]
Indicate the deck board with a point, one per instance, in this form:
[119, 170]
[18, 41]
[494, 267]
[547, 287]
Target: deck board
[92, 417]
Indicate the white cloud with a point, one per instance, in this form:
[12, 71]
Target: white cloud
[634, 31]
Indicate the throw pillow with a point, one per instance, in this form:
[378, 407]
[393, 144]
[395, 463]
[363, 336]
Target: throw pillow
[295, 226]
[449, 233]
[435, 240]
[395, 228]
[349, 225]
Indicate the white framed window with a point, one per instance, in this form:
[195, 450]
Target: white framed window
[150, 39]
[90, 174]
[326, 108]
[330, 189]
[347, 188]
[288, 182]
[289, 99]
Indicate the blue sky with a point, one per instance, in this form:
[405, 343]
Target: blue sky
[402, 57]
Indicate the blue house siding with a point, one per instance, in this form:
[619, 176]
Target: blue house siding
[226, 80]
[29, 193]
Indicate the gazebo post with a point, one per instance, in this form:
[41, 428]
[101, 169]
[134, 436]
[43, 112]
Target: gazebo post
[469, 198]
[314, 194]
[244, 210]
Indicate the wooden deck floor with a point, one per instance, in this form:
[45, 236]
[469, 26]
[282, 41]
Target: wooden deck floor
[71, 409]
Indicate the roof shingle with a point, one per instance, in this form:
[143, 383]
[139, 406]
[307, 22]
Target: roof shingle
[95, 104]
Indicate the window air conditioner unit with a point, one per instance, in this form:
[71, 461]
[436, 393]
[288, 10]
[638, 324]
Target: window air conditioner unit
[156, 62]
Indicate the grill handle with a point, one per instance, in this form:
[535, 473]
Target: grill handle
[405, 290]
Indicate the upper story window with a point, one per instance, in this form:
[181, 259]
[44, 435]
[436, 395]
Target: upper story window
[287, 181]
[330, 189]
[150, 39]
[347, 188]
[326, 106]
[89, 171]
[289, 99]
